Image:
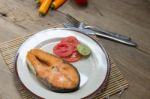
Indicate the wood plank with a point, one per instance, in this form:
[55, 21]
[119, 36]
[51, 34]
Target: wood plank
[134, 65]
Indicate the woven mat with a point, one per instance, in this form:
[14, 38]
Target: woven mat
[116, 82]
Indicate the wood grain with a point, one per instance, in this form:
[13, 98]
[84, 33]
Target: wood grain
[127, 17]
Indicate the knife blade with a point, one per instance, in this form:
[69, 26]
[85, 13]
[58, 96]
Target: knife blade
[91, 32]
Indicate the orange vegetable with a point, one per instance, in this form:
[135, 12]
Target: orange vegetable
[44, 6]
[57, 3]
[41, 1]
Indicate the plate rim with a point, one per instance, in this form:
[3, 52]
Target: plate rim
[102, 86]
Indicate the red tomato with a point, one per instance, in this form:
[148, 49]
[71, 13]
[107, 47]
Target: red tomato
[71, 40]
[63, 49]
[81, 2]
[73, 57]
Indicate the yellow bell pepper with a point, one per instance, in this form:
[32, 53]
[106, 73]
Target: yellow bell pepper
[44, 6]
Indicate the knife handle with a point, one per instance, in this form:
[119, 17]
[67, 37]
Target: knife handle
[127, 42]
[112, 34]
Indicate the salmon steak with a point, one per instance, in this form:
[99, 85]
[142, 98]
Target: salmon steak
[55, 73]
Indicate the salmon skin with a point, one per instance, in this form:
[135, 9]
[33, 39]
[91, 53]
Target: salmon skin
[55, 73]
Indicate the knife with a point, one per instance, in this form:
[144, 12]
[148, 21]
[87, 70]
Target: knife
[91, 32]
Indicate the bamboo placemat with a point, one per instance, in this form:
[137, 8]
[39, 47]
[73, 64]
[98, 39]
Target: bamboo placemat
[116, 82]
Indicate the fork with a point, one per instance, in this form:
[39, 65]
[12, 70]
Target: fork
[77, 24]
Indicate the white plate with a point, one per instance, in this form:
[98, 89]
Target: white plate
[96, 67]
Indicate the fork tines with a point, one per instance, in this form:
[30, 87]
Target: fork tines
[72, 20]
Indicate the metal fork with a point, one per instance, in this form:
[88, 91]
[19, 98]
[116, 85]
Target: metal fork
[80, 26]
[75, 23]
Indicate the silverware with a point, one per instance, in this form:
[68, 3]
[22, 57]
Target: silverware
[80, 26]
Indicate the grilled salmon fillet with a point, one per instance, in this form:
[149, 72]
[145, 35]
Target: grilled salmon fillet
[57, 74]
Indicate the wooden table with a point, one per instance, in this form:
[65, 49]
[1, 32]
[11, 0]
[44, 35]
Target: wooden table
[127, 17]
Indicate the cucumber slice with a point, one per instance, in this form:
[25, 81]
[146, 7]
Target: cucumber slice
[83, 49]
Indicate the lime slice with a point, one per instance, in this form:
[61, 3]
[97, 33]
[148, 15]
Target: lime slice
[83, 49]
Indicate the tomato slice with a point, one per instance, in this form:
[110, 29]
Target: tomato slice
[73, 57]
[67, 49]
[63, 49]
[70, 39]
